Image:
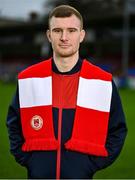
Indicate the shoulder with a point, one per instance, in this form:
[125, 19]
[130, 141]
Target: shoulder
[94, 72]
[37, 70]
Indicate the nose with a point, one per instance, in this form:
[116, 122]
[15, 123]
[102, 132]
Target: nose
[64, 36]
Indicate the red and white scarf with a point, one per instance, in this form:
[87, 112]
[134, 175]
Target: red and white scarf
[92, 109]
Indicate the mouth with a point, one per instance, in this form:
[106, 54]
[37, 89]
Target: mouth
[64, 45]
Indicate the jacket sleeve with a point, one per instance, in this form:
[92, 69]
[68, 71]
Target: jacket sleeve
[117, 131]
[15, 131]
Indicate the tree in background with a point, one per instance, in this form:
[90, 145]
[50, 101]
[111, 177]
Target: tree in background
[91, 9]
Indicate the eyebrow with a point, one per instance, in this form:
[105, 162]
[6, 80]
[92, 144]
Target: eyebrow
[70, 28]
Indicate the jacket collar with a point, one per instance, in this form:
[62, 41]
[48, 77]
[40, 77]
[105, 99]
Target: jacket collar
[75, 69]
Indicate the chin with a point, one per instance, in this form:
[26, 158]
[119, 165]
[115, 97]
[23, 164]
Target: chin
[66, 54]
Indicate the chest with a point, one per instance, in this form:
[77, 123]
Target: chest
[64, 90]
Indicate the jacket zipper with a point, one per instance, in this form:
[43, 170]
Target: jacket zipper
[58, 167]
[59, 148]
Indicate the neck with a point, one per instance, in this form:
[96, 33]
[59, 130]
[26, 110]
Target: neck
[65, 64]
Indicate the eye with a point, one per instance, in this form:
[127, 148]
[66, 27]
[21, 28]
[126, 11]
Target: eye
[72, 30]
[57, 30]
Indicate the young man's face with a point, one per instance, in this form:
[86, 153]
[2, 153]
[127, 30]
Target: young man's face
[65, 35]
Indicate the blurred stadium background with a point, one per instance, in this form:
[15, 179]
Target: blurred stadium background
[109, 43]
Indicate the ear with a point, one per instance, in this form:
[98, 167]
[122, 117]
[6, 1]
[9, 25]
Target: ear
[48, 35]
[82, 35]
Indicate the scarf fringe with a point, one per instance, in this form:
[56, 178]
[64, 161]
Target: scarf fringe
[86, 147]
[40, 144]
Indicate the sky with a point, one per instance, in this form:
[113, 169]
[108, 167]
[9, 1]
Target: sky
[20, 8]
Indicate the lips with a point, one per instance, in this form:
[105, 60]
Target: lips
[64, 45]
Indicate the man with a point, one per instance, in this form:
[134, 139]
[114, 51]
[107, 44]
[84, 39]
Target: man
[66, 120]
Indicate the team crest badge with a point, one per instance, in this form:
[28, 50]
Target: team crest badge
[36, 122]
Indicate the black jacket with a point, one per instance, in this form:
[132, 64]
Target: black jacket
[42, 164]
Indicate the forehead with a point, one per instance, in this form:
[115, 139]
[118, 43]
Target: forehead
[65, 22]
